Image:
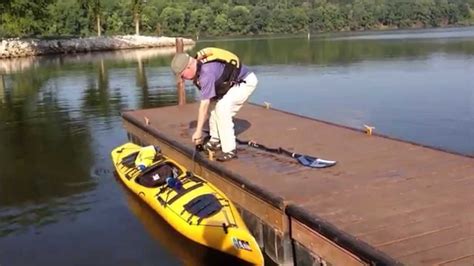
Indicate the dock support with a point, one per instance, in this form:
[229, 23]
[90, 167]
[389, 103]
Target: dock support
[275, 244]
[286, 233]
[179, 80]
[268, 224]
[304, 257]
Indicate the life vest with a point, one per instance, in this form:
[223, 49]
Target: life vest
[230, 75]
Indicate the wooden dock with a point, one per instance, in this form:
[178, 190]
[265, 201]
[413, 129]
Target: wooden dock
[386, 201]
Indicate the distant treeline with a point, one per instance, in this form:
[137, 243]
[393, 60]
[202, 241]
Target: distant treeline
[22, 18]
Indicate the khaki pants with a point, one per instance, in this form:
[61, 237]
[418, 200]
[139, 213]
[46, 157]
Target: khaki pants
[221, 124]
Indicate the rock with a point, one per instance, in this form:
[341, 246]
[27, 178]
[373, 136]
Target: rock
[16, 47]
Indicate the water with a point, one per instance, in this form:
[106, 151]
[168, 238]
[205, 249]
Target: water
[59, 118]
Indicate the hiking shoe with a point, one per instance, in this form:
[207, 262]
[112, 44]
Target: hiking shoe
[226, 156]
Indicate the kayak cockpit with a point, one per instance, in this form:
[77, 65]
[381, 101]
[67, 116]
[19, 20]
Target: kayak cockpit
[156, 175]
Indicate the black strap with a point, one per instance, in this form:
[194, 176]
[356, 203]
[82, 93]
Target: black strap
[278, 150]
[196, 77]
[305, 160]
[183, 192]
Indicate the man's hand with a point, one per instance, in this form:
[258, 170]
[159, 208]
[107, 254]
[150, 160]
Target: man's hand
[197, 137]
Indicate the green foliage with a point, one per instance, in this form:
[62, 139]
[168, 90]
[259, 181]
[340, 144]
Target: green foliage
[238, 19]
[327, 17]
[363, 14]
[24, 17]
[172, 20]
[66, 19]
[220, 25]
[298, 19]
[260, 17]
[20, 18]
[200, 20]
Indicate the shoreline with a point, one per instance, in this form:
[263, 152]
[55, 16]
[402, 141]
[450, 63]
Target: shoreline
[17, 47]
[323, 34]
[18, 64]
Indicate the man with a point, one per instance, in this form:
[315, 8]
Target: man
[224, 84]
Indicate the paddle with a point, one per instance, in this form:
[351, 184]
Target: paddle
[305, 160]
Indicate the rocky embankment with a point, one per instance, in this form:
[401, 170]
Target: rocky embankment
[10, 48]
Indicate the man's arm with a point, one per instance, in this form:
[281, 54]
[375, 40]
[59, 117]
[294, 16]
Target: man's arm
[202, 115]
[206, 80]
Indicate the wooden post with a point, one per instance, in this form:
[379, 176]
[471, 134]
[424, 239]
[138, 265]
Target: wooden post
[179, 80]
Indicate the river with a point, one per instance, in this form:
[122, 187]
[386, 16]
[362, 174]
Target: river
[60, 117]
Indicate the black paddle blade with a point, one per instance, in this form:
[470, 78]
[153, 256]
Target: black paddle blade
[314, 162]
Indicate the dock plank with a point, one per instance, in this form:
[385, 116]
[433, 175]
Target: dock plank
[412, 202]
[404, 200]
[442, 237]
[463, 260]
[443, 254]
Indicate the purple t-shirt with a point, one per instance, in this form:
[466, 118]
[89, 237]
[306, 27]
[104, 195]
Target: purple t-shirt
[210, 72]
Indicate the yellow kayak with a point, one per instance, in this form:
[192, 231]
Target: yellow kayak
[190, 204]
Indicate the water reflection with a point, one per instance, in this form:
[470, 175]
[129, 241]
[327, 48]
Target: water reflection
[20, 219]
[432, 34]
[324, 50]
[41, 155]
[188, 252]
[96, 99]
[52, 110]
[2, 88]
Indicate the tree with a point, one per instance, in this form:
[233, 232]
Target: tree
[219, 8]
[299, 20]
[137, 7]
[260, 19]
[151, 21]
[217, 17]
[66, 18]
[93, 9]
[239, 18]
[363, 14]
[220, 24]
[327, 17]
[280, 21]
[200, 20]
[24, 18]
[114, 23]
[172, 20]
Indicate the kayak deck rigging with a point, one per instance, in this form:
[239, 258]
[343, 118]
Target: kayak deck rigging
[189, 203]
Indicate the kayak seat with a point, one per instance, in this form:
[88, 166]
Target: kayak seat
[155, 176]
[203, 206]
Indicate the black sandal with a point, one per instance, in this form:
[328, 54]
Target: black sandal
[212, 146]
[226, 156]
